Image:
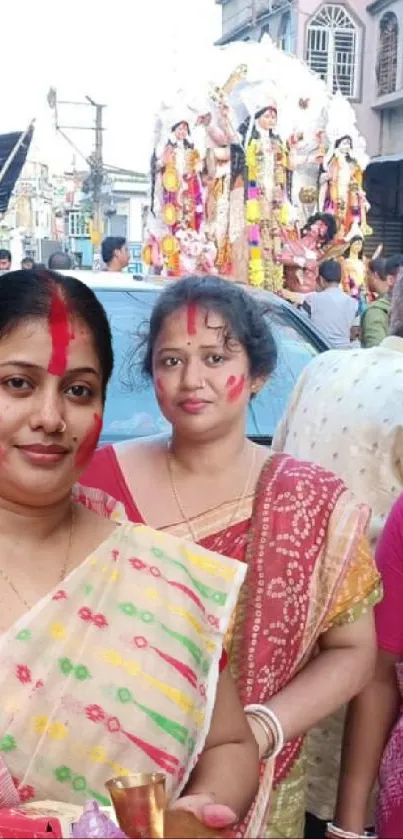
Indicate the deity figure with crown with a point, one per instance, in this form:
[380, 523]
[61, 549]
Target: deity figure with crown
[342, 175]
[176, 213]
[269, 164]
[224, 177]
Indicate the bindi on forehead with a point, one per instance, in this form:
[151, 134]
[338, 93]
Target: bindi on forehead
[60, 333]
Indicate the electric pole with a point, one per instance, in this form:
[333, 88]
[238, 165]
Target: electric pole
[97, 172]
[94, 161]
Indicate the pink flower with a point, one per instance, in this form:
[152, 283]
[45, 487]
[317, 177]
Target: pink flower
[95, 713]
[26, 794]
[113, 725]
[138, 564]
[60, 595]
[24, 674]
[85, 614]
[100, 621]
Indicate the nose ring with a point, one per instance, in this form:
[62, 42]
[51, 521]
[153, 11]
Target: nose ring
[62, 427]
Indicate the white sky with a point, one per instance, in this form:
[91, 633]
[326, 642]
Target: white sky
[116, 56]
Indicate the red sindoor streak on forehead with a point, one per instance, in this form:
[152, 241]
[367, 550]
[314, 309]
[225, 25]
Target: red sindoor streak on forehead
[89, 443]
[236, 388]
[191, 319]
[60, 334]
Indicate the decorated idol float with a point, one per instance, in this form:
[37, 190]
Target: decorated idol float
[256, 173]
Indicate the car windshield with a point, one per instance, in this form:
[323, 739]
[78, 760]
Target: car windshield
[131, 407]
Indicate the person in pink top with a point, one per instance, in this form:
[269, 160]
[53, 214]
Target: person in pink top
[374, 734]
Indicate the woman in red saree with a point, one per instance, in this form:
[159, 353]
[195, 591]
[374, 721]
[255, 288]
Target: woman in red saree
[310, 583]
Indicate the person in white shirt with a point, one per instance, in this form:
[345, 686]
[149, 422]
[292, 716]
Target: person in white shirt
[332, 311]
[345, 414]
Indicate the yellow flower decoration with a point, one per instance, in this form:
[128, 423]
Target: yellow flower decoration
[169, 214]
[40, 724]
[112, 658]
[57, 731]
[147, 255]
[169, 245]
[98, 755]
[252, 211]
[57, 631]
[170, 179]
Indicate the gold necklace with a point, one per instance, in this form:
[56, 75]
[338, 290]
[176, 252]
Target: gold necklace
[179, 504]
[63, 571]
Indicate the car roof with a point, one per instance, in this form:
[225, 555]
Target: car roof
[115, 280]
[121, 281]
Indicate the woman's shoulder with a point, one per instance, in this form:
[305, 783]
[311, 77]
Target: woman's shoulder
[283, 471]
[140, 448]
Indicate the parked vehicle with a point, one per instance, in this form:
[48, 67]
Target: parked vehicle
[131, 408]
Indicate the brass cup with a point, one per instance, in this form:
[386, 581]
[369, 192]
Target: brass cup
[139, 802]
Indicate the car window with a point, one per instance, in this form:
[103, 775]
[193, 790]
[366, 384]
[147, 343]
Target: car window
[295, 351]
[131, 408]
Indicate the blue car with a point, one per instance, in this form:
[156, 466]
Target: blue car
[131, 407]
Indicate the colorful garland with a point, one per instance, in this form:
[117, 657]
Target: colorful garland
[254, 216]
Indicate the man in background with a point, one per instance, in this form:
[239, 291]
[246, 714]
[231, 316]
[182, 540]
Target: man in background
[60, 261]
[115, 253]
[332, 311]
[345, 414]
[375, 319]
[27, 264]
[5, 260]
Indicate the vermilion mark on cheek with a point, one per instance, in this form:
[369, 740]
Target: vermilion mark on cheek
[236, 387]
[191, 319]
[60, 334]
[88, 445]
[159, 389]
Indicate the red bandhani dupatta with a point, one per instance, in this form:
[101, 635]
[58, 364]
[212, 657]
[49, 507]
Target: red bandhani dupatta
[306, 527]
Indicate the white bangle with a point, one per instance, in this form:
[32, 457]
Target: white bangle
[273, 723]
[333, 831]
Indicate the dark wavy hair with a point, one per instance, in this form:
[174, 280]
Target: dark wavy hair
[27, 295]
[243, 316]
[327, 219]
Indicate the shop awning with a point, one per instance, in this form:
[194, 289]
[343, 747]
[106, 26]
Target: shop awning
[13, 154]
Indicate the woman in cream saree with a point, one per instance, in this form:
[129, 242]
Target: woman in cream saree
[112, 634]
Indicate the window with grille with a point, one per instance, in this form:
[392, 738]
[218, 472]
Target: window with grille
[78, 225]
[387, 54]
[333, 47]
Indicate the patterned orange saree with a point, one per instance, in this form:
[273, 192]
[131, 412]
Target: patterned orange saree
[302, 578]
[116, 671]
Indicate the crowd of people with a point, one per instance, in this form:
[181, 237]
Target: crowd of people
[348, 319]
[201, 605]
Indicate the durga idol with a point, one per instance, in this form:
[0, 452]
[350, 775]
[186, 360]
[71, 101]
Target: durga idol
[177, 202]
[341, 189]
[269, 163]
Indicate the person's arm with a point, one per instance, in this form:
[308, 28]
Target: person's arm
[226, 778]
[342, 668]
[370, 718]
[364, 741]
[374, 327]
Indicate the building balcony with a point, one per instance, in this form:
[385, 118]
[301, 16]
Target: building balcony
[389, 101]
